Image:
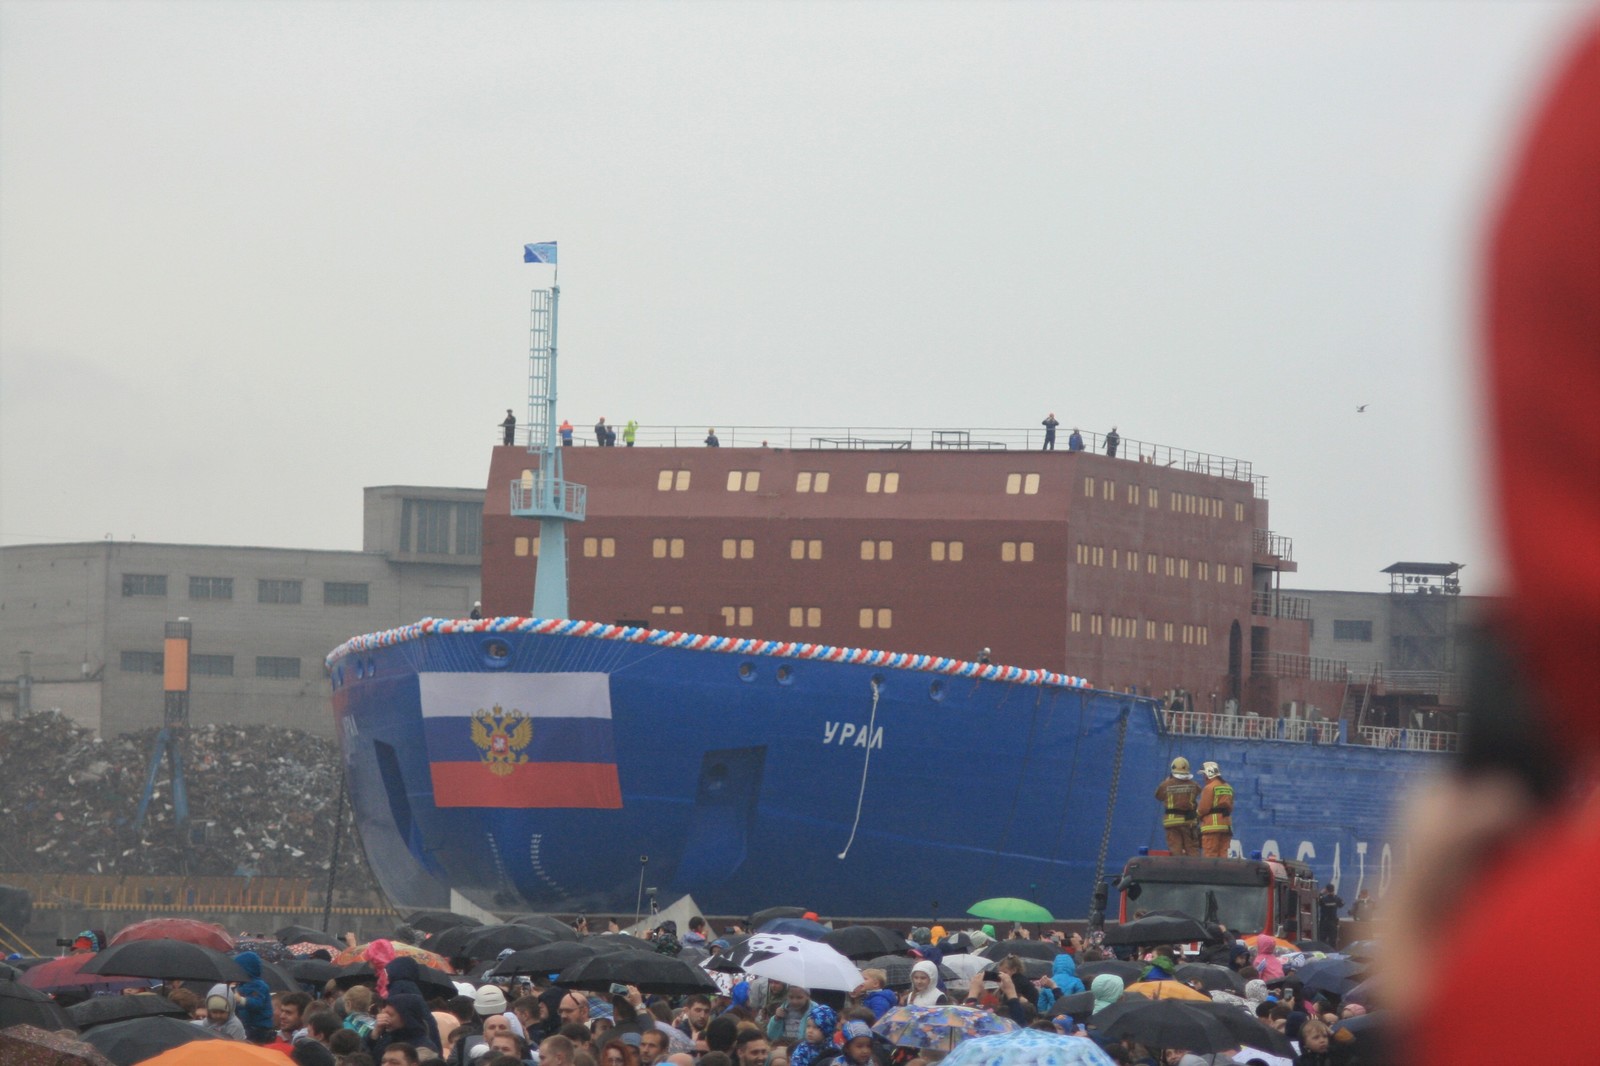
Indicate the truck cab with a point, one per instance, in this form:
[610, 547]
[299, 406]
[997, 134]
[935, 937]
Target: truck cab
[1249, 896]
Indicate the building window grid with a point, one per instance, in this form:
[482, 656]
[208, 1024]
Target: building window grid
[469, 529]
[279, 590]
[210, 588]
[281, 666]
[211, 665]
[144, 584]
[345, 593]
[141, 662]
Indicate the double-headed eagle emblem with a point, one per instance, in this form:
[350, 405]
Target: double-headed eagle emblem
[501, 735]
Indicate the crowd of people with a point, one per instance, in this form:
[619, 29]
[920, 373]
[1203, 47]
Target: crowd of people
[404, 1015]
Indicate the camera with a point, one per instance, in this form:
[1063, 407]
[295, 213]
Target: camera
[63, 942]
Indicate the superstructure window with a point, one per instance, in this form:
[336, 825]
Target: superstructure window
[947, 551]
[1358, 630]
[805, 617]
[278, 590]
[144, 584]
[673, 481]
[1023, 484]
[660, 548]
[277, 666]
[811, 481]
[606, 548]
[738, 616]
[1077, 621]
[876, 618]
[877, 550]
[1021, 551]
[667, 608]
[1108, 489]
[210, 588]
[524, 546]
[805, 549]
[738, 548]
[744, 480]
[345, 593]
[881, 481]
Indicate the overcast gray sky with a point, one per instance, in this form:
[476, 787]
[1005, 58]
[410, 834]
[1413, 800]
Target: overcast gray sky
[255, 256]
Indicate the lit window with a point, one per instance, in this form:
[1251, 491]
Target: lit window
[1030, 485]
[1097, 624]
[1108, 489]
[806, 617]
[1025, 551]
[738, 616]
[1238, 512]
[1133, 495]
[606, 547]
[1150, 563]
[891, 482]
[1222, 573]
[744, 480]
[1099, 557]
[1205, 634]
[1166, 632]
[874, 481]
[1238, 575]
[811, 481]
[1113, 558]
[865, 620]
[1013, 484]
[947, 551]
[1172, 501]
[664, 481]
[1133, 561]
[1008, 551]
[1088, 487]
[1077, 622]
[674, 547]
[1203, 570]
[747, 549]
[805, 549]
[1183, 568]
[885, 617]
[1149, 631]
[521, 546]
[733, 548]
[1152, 497]
[1172, 566]
[813, 617]
[658, 548]
[735, 480]
[881, 550]
[802, 481]
[878, 481]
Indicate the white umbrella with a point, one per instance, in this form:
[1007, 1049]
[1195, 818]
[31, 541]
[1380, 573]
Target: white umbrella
[967, 965]
[797, 961]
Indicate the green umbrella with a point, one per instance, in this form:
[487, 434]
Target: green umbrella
[1009, 909]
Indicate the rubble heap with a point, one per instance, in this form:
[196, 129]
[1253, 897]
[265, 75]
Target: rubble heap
[262, 802]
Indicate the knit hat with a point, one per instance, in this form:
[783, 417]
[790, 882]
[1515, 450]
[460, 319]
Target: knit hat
[854, 1030]
[216, 1003]
[489, 1000]
[922, 935]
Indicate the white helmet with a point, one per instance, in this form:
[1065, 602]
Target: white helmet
[1180, 765]
[1211, 769]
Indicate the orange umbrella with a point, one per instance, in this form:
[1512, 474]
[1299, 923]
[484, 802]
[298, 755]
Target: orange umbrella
[1166, 990]
[218, 1053]
[206, 934]
[422, 955]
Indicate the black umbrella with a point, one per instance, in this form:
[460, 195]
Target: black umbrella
[897, 970]
[649, 973]
[1210, 977]
[557, 929]
[133, 1041]
[431, 982]
[1169, 928]
[102, 1010]
[1362, 949]
[279, 978]
[174, 960]
[1167, 1023]
[865, 941]
[439, 921]
[1128, 971]
[1333, 976]
[9, 973]
[313, 971]
[21, 1005]
[760, 918]
[1027, 949]
[618, 942]
[304, 934]
[956, 944]
[448, 942]
[546, 958]
[1079, 1005]
[491, 940]
[1315, 945]
[1247, 1029]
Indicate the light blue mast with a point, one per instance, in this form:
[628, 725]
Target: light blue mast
[542, 492]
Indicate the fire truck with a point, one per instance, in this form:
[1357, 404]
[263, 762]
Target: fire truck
[1249, 896]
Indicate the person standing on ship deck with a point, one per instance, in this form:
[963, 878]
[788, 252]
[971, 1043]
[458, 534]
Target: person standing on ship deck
[1216, 813]
[510, 426]
[1049, 425]
[1075, 442]
[601, 432]
[629, 432]
[1112, 440]
[711, 438]
[1178, 796]
[566, 433]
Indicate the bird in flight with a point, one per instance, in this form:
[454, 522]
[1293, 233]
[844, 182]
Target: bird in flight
[1360, 407]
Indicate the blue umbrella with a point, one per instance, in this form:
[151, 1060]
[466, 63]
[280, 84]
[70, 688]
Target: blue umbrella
[1027, 1047]
[803, 927]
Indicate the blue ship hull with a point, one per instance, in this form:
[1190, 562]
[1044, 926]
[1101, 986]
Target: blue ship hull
[743, 765]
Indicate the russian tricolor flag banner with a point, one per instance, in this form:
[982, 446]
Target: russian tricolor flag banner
[520, 740]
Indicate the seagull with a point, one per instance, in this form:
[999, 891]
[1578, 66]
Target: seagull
[1360, 407]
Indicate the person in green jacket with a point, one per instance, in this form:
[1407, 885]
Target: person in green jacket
[629, 432]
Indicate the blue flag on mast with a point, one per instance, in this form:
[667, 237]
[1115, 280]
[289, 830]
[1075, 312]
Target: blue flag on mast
[544, 252]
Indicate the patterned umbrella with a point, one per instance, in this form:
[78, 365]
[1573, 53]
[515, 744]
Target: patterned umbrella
[938, 1027]
[422, 955]
[27, 1045]
[1027, 1047]
[206, 934]
[797, 961]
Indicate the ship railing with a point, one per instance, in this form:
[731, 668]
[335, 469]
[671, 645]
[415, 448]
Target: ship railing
[1278, 605]
[1249, 727]
[1409, 739]
[1311, 667]
[530, 492]
[1278, 546]
[919, 438]
[1443, 683]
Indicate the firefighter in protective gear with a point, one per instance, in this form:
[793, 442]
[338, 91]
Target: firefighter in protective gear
[1179, 796]
[1216, 813]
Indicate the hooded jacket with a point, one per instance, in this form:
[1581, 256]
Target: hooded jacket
[232, 1028]
[1268, 965]
[415, 1022]
[1064, 972]
[792, 1024]
[254, 997]
[879, 1001]
[932, 997]
[1107, 989]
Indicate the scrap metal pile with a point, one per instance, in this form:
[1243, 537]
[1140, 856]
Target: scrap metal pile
[262, 802]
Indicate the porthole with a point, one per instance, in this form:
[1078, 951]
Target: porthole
[747, 671]
[785, 675]
[496, 653]
[936, 691]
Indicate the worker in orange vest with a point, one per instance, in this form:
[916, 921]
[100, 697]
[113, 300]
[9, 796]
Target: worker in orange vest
[1216, 813]
[1179, 796]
